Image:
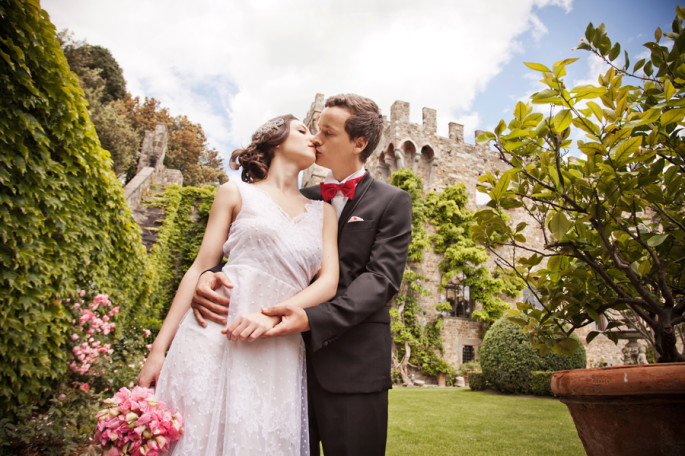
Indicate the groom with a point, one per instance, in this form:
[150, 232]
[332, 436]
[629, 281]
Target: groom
[347, 338]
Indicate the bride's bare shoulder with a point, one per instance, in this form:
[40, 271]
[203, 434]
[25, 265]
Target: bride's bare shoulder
[228, 194]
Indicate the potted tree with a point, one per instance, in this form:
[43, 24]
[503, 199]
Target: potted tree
[601, 173]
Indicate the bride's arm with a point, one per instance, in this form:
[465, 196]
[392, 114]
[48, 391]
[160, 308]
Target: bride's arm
[224, 208]
[252, 326]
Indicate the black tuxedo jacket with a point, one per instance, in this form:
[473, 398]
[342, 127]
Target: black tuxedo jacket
[349, 343]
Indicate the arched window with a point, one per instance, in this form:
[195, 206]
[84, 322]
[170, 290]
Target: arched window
[425, 164]
[409, 152]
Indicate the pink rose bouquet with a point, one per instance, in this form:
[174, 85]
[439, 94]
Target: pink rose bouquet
[134, 423]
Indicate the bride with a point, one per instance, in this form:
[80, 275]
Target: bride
[239, 394]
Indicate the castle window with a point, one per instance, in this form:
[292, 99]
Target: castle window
[459, 298]
[467, 354]
[409, 153]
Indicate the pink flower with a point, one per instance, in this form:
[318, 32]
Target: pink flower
[84, 387]
[146, 332]
[61, 397]
[82, 293]
[74, 336]
[135, 423]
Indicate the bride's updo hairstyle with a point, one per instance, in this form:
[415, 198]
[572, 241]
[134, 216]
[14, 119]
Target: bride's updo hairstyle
[255, 159]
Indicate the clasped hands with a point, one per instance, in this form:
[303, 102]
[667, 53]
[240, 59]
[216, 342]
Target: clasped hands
[277, 321]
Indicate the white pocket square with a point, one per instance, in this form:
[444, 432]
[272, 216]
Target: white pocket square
[354, 218]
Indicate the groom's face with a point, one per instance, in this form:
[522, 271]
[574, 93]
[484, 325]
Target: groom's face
[334, 148]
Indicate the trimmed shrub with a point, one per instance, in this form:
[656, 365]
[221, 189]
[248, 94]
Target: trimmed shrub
[508, 358]
[540, 383]
[64, 221]
[477, 381]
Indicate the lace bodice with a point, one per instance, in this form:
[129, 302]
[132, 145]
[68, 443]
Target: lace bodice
[264, 237]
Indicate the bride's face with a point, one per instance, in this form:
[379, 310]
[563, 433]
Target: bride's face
[298, 146]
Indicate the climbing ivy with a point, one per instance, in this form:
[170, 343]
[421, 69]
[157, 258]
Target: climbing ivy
[186, 215]
[64, 222]
[415, 344]
[420, 345]
[463, 257]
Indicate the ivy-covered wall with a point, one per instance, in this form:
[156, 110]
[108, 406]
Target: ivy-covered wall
[64, 222]
[419, 344]
[186, 214]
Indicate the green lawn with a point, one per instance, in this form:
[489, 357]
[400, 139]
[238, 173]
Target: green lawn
[460, 422]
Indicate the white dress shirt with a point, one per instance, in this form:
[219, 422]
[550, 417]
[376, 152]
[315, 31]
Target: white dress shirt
[339, 200]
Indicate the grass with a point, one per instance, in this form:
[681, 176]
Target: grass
[461, 422]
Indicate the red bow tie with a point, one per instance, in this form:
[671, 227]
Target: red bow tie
[328, 191]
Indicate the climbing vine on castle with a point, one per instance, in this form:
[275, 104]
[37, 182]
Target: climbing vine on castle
[418, 345]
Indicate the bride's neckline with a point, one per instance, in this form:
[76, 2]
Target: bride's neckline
[294, 219]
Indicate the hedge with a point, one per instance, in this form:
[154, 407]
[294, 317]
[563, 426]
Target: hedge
[540, 383]
[64, 222]
[508, 359]
[477, 381]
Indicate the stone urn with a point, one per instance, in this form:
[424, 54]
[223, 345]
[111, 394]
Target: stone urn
[626, 410]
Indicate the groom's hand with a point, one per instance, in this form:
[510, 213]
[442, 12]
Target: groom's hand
[207, 303]
[293, 320]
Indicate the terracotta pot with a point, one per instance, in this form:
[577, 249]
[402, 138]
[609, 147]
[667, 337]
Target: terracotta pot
[626, 410]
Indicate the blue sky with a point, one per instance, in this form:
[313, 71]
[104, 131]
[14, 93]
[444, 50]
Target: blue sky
[231, 65]
[629, 22]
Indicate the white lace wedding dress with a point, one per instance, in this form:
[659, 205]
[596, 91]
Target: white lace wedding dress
[248, 398]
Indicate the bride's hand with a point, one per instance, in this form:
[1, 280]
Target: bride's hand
[250, 327]
[150, 371]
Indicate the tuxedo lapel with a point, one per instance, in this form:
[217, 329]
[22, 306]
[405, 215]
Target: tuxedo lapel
[359, 192]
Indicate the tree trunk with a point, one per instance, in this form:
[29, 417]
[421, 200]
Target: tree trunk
[402, 366]
[665, 342]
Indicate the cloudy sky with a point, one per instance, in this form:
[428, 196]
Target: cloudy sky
[232, 64]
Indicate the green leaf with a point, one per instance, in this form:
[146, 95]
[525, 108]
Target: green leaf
[669, 90]
[500, 188]
[615, 51]
[520, 111]
[566, 346]
[537, 66]
[559, 225]
[657, 240]
[626, 148]
[485, 138]
[672, 116]
[639, 64]
[500, 128]
[562, 120]
[596, 110]
[588, 91]
[546, 96]
[591, 336]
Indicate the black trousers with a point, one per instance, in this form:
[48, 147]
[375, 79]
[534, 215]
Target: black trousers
[347, 424]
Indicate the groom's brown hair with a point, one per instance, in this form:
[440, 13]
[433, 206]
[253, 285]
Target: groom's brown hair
[365, 119]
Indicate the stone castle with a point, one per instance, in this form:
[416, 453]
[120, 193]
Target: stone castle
[441, 162]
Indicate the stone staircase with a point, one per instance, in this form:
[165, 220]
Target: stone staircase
[149, 218]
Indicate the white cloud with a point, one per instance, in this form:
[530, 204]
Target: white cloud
[230, 65]
[539, 29]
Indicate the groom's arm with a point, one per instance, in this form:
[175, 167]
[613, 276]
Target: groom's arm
[374, 287]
